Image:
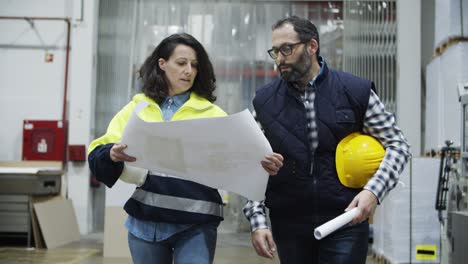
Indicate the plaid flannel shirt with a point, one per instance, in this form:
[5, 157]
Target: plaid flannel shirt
[378, 123]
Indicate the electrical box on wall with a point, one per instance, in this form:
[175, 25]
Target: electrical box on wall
[77, 153]
[44, 140]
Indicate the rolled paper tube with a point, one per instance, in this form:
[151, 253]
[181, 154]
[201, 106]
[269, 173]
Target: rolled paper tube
[334, 224]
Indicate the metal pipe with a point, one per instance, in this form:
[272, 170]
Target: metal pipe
[34, 18]
[31, 47]
[65, 85]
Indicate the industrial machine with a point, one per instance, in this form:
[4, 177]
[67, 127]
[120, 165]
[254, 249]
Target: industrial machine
[456, 188]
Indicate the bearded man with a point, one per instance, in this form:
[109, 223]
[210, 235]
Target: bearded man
[304, 114]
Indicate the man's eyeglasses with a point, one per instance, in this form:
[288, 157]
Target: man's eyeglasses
[286, 50]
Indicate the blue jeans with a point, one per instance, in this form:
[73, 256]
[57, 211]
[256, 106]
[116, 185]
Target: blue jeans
[345, 246]
[195, 245]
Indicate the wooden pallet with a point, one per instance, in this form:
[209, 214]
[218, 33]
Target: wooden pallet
[441, 48]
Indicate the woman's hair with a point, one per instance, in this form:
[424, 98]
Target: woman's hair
[155, 83]
[304, 28]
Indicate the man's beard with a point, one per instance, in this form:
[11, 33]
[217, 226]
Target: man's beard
[298, 70]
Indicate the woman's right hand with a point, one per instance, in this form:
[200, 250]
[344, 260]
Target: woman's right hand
[272, 163]
[117, 153]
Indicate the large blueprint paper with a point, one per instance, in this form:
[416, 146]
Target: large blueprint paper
[222, 152]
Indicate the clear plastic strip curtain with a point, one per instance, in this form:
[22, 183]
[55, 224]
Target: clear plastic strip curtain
[236, 34]
[115, 34]
[370, 45]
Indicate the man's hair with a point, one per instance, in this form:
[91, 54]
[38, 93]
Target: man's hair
[305, 29]
[155, 83]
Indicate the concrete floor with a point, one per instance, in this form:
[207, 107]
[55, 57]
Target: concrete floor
[232, 248]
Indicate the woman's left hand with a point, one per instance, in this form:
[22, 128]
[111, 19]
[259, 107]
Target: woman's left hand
[272, 163]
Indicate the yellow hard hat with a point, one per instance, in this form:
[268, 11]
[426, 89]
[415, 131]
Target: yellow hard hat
[358, 157]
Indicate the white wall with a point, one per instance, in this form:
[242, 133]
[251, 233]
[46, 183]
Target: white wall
[33, 89]
[409, 71]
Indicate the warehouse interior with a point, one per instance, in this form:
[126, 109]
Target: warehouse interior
[67, 66]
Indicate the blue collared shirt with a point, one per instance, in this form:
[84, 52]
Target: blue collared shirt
[158, 231]
[172, 104]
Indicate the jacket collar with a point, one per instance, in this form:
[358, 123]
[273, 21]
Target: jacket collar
[195, 101]
[323, 71]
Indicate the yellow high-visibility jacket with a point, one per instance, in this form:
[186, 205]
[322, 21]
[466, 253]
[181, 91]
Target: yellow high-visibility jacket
[195, 107]
[157, 197]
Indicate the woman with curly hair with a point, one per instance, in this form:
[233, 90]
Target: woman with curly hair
[170, 220]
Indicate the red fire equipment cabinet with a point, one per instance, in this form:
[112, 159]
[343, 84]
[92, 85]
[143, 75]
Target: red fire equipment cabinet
[44, 140]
